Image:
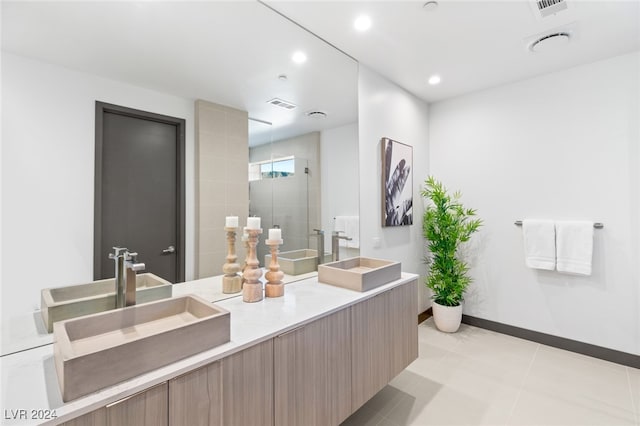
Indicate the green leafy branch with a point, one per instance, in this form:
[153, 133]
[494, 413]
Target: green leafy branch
[446, 225]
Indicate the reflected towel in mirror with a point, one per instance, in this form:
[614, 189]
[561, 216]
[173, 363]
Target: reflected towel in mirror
[350, 225]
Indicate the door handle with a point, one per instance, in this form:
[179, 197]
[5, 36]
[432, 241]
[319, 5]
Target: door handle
[169, 250]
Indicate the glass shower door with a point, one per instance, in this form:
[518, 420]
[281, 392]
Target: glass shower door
[291, 206]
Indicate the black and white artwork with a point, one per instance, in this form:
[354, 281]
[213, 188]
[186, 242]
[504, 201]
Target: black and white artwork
[397, 183]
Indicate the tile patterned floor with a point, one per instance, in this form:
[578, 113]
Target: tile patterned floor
[478, 377]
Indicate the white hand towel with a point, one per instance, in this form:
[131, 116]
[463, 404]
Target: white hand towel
[575, 246]
[353, 231]
[539, 244]
[350, 227]
[340, 225]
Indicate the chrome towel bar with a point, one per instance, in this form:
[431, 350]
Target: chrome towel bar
[597, 225]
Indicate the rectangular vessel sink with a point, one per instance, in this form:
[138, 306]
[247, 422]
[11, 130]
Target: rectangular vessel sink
[103, 349]
[359, 273]
[57, 304]
[296, 262]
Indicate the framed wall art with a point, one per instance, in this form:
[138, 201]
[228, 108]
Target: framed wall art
[397, 183]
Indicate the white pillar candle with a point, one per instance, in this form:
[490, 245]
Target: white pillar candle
[253, 223]
[275, 234]
[231, 222]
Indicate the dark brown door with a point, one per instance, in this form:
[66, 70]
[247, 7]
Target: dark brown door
[139, 190]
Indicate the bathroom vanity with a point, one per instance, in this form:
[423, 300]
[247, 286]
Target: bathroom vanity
[311, 357]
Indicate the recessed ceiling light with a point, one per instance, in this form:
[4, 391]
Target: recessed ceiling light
[434, 79]
[299, 57]
[362, 23]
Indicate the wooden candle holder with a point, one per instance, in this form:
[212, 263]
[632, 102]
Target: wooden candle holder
[245, 242]
[252, 287]
[232, 281]
[274, 286]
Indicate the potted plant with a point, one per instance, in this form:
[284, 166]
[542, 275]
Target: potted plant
[447, 224]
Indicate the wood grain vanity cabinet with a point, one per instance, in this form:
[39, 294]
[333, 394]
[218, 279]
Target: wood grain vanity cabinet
[247, 386]
[313, 372]
[404, 309]
[384, 340]
[147, 408]
[314, 375]
[236, 390]
[94, 418]
[195, 398]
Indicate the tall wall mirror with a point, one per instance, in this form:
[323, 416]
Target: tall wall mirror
[58, 59]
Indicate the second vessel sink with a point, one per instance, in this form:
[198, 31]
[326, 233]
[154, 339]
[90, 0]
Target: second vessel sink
[296, 262]
[57, 304]
[359, 273]
[103, 349]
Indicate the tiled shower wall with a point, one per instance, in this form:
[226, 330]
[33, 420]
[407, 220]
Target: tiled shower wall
[222, 183]
[293, 203]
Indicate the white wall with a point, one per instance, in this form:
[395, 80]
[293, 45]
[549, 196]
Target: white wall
[386, 110]
[48, 136]
[339, 175]
[560, 146]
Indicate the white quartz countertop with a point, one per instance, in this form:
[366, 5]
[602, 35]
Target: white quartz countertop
[29, 380]
[27, 330]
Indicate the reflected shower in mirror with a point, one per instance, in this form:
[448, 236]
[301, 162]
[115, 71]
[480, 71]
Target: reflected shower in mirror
[305, 183]
[282, 192]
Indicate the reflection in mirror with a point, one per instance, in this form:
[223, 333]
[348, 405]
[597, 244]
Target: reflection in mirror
[308, 186]
[50, 83]
[260, 177]
[281, 192]
[340, 190]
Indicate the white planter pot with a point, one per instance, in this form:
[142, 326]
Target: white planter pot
[447, 318]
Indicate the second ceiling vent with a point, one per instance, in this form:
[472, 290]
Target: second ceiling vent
[281, 103]
[550, 42]
[316, 114]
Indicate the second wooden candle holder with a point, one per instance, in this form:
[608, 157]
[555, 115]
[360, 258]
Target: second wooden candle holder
[252, 287]
[231, 282]
[274, 286]
[245, 242]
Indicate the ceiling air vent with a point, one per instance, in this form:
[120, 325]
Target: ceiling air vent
[550, 41]
[553, 39]
[282, 104]
[546, 8]
[317, 114]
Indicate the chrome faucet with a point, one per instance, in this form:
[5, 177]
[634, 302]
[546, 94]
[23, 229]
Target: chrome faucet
[319, 233]
[335, 244]
[118, 257]
[126, 268]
